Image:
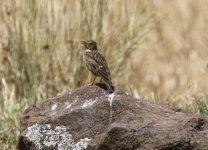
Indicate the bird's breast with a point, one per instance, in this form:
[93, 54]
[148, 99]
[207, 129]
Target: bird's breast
[86, 56]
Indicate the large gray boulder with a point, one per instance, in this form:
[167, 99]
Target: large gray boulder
[90, 118]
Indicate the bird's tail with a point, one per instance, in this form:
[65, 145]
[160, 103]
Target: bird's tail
[110, 87]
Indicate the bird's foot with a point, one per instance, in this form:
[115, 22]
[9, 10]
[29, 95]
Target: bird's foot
[101, 81]
[91, 84]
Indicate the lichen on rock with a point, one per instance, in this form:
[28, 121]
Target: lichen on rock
[42, 135]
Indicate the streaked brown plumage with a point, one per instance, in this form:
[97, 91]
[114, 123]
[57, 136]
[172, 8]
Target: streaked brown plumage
[96, 63]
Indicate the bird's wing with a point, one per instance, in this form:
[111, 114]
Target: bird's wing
[98, 61]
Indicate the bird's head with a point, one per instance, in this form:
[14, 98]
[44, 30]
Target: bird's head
[89, 45]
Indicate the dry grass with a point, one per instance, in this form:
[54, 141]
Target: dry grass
[173, 59]
[156, 50]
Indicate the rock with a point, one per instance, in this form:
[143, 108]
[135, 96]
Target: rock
[89, 118]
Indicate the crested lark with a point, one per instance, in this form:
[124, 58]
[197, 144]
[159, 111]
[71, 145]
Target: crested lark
[96, 63]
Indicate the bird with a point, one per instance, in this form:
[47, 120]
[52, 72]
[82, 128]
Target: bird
[97, 64]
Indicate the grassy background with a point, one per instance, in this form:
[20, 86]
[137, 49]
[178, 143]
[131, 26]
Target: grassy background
[156, 50]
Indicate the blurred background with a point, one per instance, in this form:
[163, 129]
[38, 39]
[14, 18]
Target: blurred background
[156, 51]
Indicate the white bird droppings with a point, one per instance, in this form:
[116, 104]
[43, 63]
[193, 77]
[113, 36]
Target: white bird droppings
[89, 103]
[68, 106]
[54, 107]
[110, 99]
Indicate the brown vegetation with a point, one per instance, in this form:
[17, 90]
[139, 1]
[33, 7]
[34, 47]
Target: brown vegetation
[155, 49]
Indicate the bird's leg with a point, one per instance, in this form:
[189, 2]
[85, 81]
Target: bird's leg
[101, 80]
[93, 80]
